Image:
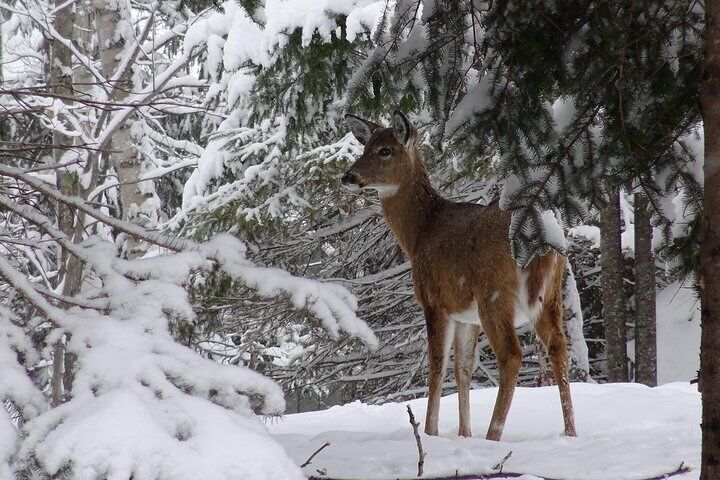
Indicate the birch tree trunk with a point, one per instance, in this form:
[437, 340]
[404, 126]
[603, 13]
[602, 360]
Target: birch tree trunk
[613, 297]
[645, 343]
[709, 281]
[112, 18]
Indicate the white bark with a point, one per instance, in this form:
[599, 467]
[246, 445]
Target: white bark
[117, 64]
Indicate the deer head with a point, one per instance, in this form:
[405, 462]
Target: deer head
[389, 158]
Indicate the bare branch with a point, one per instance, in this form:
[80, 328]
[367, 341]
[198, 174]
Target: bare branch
[171, 243]
[421, 452]
[23, 286]
[309, 460]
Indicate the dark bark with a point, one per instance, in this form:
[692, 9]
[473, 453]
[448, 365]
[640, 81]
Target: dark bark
[645, 343]
[613, 296]
[709, 278]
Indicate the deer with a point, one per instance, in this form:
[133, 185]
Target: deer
[464, 277]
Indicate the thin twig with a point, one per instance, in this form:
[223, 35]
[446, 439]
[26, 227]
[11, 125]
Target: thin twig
[421, 452]
[501, 464]
[310, 459]
[682, 469]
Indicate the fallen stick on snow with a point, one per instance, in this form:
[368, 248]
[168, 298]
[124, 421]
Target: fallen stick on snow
[421, 452]
[499, 476]
[310, 459]
[501, 464]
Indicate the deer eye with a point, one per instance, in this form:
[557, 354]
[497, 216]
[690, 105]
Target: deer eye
[384, 152]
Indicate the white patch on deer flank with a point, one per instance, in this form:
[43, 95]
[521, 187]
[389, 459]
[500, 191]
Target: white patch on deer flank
[495, 295]
[470, 315]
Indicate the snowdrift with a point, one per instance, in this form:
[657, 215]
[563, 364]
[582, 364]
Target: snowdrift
[625, 432]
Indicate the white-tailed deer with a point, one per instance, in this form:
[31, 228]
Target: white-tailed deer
[464, 277]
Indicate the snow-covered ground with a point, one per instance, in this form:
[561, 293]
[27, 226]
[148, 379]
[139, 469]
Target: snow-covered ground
[625, 431]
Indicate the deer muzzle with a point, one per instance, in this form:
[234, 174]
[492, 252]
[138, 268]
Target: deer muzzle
[350, 178]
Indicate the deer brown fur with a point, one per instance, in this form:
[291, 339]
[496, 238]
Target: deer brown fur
[464, 277]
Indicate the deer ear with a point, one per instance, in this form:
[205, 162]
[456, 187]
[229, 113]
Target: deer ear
[402, 129]
[361, 128]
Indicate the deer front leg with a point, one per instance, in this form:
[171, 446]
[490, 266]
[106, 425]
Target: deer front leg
[439, 332]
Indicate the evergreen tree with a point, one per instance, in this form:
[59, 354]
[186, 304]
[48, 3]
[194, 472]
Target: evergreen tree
[92, 296]
[570, 100]
[271, 174]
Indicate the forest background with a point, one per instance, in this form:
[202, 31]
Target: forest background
[176, 243]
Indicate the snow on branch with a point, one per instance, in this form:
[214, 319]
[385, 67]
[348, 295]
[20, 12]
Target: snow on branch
[142, 404]
[332, 304]
[15, 385]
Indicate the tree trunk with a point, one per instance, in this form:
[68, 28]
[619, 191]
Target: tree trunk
[70, 183]
[613, 296]
[4, 119]
[645, 344]
[122, 155]
[709, 278]
[60, 80]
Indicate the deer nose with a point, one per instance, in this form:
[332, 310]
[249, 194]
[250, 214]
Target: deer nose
[350, 178]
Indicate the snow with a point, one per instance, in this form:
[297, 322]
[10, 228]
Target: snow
[249, 42]
[121, 426]
[15, 386]
[678, 333]
[143, 405]
[552, 229]
[695, 141]
[363, 17]
[476, 100]
[563, 111]
[577, 346]
[627, 213]
[626, 431]
[588, 232]
[333, 304]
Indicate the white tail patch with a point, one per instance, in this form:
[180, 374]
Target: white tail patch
[527, 310]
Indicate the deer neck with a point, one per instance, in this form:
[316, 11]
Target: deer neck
[410, 209]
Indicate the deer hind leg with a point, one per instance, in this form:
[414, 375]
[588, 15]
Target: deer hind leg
[440, 334]
[466, 336]
[549, 329]
[497, 319]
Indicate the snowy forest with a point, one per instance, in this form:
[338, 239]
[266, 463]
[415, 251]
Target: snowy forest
[188, 290]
